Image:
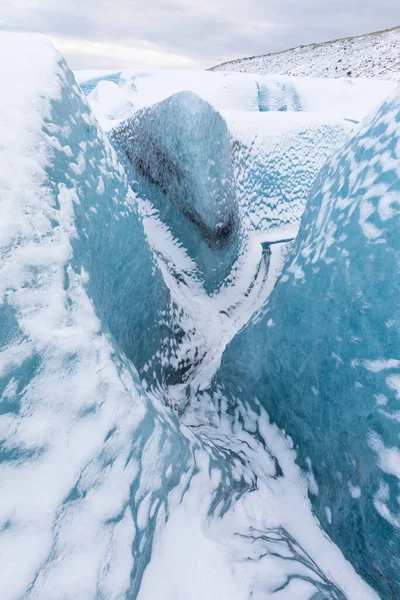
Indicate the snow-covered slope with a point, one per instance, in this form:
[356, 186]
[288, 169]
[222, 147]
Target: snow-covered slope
[373, 55]
[115, 96]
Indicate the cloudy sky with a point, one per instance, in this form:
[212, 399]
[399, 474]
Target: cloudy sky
[189, 33]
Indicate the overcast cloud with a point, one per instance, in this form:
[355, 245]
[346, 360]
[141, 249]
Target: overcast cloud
[189, 33]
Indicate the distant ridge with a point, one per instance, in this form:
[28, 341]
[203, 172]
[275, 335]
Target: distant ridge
[375, 55]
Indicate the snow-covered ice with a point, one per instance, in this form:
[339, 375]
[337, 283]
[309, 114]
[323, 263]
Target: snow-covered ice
[115, 96]
[329, 371]
[374, 55]
[138, 457]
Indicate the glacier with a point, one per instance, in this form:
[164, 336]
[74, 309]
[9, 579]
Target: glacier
[328, 344]
[179, 149]
[112, 96]
[197, 311]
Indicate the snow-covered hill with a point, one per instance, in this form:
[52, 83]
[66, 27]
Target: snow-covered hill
[373, 55]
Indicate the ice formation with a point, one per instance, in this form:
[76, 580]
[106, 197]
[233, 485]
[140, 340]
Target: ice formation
[132, 465]
[276, 159]
[323, 358]
[72, 248]
[179, 150]
[372, 55]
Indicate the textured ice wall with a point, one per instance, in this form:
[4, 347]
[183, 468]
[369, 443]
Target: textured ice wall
[130, 288]
[182, 146]
[352, 99]
[78, 435]
[218, 184]
[202, 171]
[323, 357]
[104, 492]
[276, 158]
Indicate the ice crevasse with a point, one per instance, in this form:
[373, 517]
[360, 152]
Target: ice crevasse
[216, 187]
[109, 317]
[322, 355]
[217, 177]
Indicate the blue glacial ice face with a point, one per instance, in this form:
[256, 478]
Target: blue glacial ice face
[182, 146]
[178, 156]
[79, 436]
[148, 319]
[323, 356]
[105, 218]
[124, 281]
[276, 159]
[90, 83]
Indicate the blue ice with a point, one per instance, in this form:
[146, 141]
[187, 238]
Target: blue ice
[140, 455]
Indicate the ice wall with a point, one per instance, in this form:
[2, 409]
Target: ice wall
[179, 150]
[182, 146]
[322, 356]
[347, 98]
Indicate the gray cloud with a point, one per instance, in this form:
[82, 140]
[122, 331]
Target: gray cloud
[202, 32]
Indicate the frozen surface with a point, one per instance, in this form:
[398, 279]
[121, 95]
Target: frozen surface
[123, 475]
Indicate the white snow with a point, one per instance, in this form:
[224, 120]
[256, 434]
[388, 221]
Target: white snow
[112, 102]
[81, 550]
[374, 55]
